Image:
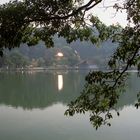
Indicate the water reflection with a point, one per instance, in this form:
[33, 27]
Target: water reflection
[41, 89]
[60, 82]
[32, 109]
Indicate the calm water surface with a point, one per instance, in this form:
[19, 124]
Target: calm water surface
[32, 107]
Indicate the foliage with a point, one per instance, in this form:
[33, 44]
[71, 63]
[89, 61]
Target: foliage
[102, 89]
[14, 60]
[32, 20]
[19, 19]
[38, 56]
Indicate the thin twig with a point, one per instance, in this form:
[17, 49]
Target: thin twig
[126, 68]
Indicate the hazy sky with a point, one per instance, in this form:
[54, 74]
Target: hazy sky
[3, 1]
[109, 15]
[106, 15]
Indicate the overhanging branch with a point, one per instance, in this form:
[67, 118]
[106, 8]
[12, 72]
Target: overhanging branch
[86, 7]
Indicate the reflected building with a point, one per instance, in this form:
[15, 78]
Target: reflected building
[60, 82]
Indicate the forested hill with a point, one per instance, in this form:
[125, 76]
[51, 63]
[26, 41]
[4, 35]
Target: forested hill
[74, 53]
[87, 50]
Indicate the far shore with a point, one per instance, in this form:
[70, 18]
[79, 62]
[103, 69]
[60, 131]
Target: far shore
[43, 69]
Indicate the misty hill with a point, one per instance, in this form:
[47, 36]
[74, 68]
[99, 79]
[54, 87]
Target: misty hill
[75, 52]
[86, 49]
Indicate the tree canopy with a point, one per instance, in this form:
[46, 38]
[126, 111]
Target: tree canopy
[29, 21]
[33, 20]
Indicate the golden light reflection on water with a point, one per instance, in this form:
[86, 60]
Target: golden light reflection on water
[60, 82]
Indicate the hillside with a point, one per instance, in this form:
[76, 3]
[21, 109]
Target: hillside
[73, 53]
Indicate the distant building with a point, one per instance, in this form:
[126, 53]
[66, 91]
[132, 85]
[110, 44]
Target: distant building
[86, 65]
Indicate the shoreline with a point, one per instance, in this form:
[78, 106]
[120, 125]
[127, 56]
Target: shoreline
[43, 69]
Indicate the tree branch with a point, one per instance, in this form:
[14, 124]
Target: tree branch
[126, 68]
[85, 7]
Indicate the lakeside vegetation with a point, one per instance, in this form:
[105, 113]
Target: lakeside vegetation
[74, 56]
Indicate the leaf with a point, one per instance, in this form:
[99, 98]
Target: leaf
[1, 53]
[118, 113]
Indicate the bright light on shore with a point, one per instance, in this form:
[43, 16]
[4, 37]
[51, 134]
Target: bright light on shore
[59, 54]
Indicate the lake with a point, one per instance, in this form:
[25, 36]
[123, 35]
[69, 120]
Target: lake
[32, 107]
